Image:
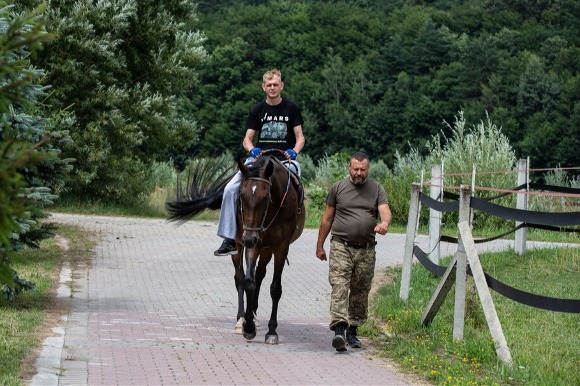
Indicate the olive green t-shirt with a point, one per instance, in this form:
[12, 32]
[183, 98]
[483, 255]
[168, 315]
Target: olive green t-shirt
[356, 209]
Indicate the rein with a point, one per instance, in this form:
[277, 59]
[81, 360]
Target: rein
[269, 182]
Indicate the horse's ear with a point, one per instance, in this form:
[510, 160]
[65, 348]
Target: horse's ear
[243, 168]
[269, 169]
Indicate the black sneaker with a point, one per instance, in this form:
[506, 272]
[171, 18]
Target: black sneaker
[228, 248]
[339, 340]
[351, 338]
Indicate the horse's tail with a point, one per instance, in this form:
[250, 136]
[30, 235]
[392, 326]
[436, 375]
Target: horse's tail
[204, 190]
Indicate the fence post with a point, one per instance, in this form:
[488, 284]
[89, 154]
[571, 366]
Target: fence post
[412, 222]
[435, 215]
[489, 311]
[521, 204]
[461, 270]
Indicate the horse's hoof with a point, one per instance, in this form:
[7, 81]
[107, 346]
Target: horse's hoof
[271, 339]
[249, 335]
[239, 325]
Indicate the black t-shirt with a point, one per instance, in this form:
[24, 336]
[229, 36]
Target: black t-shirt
[275, 124]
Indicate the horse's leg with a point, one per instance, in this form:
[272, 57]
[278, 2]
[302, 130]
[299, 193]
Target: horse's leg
[249, 327]
[276, 294]
[239, 280]
[265, 257]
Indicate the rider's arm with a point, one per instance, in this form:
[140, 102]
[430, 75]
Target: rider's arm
[248, 143]
[299, 138]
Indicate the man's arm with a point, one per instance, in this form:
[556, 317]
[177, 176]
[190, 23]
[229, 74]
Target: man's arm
[324, 230]
[299, 138]
[386, 217]
[248, 142]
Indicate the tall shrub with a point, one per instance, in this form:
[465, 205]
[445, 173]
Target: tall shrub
[406, 171]
[482, 145]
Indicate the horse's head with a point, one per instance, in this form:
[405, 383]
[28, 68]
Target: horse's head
[255, 199]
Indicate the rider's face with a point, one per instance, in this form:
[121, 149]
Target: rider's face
[273, 87]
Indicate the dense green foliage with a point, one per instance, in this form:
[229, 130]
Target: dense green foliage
[381, 76]
[149, 81]
[32, 169]
[123, 68]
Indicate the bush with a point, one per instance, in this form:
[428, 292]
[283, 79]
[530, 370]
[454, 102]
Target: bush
[163, 174]
[406, 171]
[331, 169]
[307, 168]
[378, 170]
[484, 146]
[556, 204]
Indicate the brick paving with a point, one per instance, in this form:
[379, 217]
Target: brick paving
[155, 307]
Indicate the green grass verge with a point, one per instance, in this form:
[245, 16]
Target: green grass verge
[544, 344]
[23, 323]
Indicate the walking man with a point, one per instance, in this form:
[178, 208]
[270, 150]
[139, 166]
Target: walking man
[353, 207]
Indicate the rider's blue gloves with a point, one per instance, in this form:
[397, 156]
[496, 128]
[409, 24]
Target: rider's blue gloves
[291, 153]
[255, 152]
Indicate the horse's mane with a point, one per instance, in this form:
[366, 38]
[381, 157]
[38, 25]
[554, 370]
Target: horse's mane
[256, 168]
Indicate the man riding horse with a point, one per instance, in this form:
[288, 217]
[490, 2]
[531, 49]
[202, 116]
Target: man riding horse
[279, 125]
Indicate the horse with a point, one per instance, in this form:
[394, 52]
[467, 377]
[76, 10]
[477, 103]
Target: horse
[270, 216]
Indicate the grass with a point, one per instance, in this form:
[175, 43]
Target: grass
[544, 344]
[22, 323]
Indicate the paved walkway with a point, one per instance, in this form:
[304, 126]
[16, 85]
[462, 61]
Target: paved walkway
[157, 308]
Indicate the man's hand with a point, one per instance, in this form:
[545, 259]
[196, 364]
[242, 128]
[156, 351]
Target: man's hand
[321, 254]
[255, 152]
[290, 153]
[382, 228]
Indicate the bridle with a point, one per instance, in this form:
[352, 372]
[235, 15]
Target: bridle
[263, 228]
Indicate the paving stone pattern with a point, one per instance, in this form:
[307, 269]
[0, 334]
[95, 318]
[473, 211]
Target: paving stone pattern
[155, 307]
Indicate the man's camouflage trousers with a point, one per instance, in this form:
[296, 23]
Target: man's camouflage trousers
[350, 274]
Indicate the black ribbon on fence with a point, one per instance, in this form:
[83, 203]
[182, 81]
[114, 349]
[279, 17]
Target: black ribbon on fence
[550, 188]
[455, 196]
[531, 185]
[439, 206]
[551, 228]
[526, 216]
[527, 298]
[533, 300]
[437, 270]
[454, 239]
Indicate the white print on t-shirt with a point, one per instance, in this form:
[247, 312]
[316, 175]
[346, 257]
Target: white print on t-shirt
[274, 130]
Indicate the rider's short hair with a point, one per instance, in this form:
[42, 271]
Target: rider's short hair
[270, 74]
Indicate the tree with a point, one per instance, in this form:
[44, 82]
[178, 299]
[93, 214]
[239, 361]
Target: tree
[124, 68]
[31, 170]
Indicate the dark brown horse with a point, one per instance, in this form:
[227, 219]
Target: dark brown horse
[270, 217]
